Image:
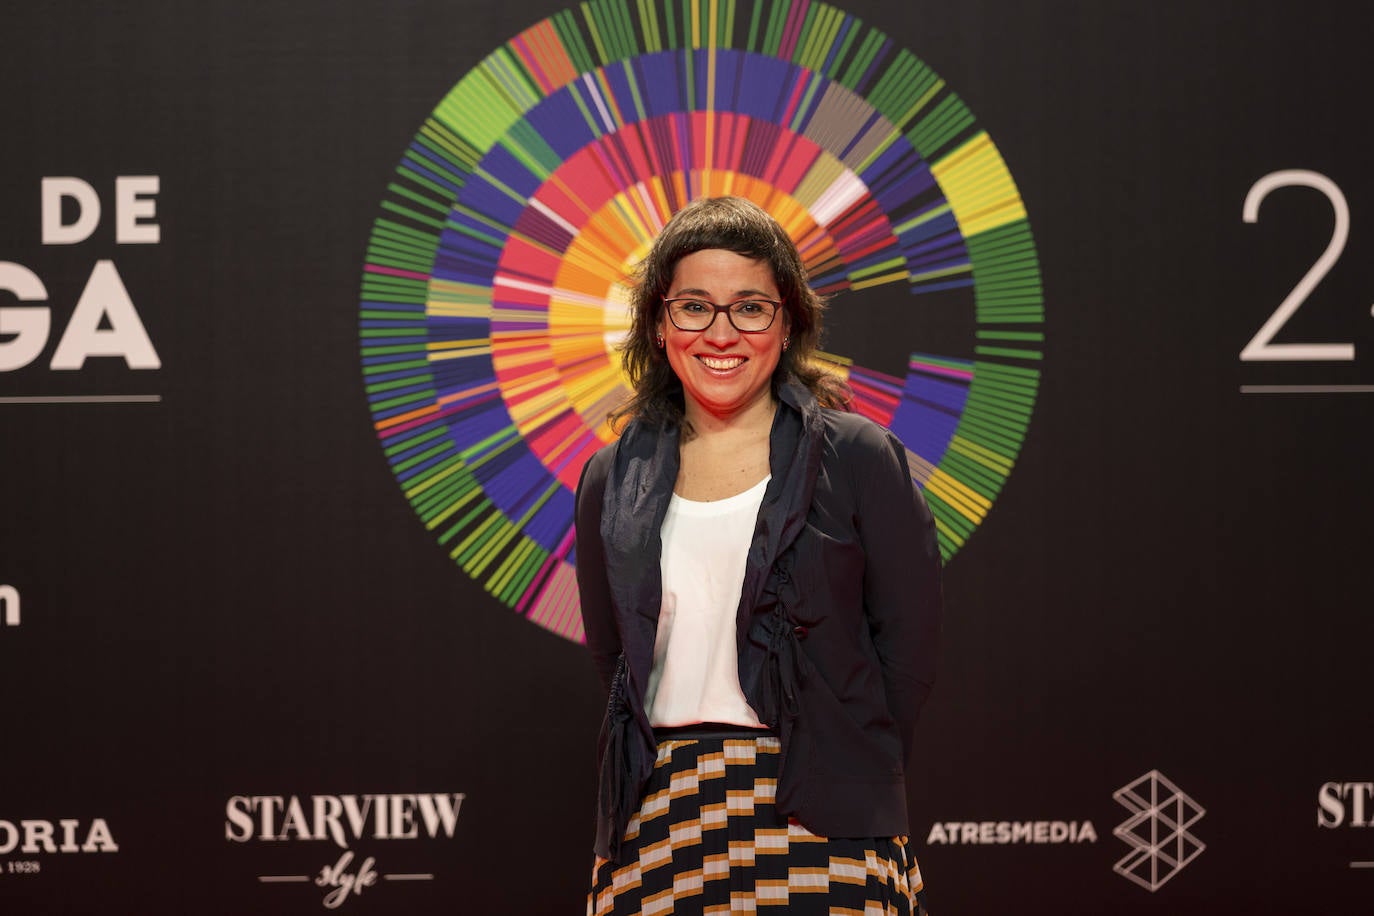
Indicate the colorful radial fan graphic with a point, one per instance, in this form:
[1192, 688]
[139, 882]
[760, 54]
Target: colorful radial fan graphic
[495, 285]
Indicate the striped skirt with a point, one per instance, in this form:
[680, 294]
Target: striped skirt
[707, 839]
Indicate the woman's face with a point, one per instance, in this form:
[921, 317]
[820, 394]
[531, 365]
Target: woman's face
[723, 372]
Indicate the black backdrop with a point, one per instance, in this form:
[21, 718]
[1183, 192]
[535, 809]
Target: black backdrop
[223, 594]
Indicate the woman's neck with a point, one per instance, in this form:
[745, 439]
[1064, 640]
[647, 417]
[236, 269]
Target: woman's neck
[722, 459]
[744, 423]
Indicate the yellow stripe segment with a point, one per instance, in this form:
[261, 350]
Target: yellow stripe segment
[969, 503]
[978, 186]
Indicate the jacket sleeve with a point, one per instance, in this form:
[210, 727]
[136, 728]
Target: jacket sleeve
[902, 593]
[594, 591]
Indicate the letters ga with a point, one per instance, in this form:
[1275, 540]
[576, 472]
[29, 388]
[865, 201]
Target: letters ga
[105, 299]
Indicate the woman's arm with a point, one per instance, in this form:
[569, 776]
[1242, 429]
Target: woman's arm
[598, 620]
[902, 596]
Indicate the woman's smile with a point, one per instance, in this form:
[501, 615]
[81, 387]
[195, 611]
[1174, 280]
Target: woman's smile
[722, 364]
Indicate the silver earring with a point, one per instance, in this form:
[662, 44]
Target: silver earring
[784, 342]
[658, 340]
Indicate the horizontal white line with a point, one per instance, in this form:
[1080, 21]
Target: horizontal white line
[281, 879]
[408, 877]
[1362, 864]
[1307, 389]
[86, 399]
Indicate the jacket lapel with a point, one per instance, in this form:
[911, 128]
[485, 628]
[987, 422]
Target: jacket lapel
[795, 445]
[638, 488]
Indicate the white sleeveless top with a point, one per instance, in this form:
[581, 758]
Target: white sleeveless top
[695, 677]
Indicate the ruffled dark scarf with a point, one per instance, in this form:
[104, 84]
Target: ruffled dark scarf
[771, 665]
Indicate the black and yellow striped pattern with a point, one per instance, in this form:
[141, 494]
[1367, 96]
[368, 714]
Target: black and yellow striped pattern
[708, 839]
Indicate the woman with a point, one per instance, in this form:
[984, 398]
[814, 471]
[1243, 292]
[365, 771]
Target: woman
[760, 588]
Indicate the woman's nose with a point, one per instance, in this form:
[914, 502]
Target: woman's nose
[720, 330]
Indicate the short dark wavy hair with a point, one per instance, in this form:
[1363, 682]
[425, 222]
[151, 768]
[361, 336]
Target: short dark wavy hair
[738, 225]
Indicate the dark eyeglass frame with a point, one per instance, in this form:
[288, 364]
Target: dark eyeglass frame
[729, 315]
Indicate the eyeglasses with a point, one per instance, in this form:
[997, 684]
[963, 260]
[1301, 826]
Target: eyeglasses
[748, 316]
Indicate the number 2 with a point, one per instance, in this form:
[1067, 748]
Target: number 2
[1259, 347]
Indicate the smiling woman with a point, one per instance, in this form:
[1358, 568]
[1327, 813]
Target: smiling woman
[760, 585]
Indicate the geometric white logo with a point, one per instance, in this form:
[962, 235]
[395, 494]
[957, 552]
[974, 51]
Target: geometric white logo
[1157, 830]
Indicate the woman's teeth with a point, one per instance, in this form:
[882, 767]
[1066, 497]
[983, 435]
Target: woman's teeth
[721, 364]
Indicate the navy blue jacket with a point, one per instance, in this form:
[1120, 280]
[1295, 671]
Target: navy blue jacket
[837, 626]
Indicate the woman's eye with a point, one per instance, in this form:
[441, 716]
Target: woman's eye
[693, 305]
[749, 308]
